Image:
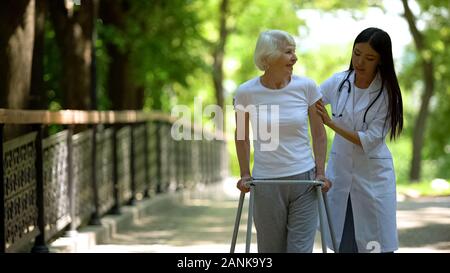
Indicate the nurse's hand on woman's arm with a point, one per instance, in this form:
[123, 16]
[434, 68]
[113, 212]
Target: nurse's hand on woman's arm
[327, 183]
[323, 112]
[351, 136]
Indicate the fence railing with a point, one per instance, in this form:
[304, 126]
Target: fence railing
[56, 184]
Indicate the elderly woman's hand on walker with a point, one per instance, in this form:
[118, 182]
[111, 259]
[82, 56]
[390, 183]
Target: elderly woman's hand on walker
[241, 183]
[326, 183]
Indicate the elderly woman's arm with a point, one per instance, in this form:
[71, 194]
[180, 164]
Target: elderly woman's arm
[319, 139]
[242, 143]
[351, 136]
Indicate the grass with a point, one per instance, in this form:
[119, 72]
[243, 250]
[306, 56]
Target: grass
[431, 174]
[423, 188]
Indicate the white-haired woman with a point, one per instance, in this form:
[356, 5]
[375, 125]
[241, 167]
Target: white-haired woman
[285, 215]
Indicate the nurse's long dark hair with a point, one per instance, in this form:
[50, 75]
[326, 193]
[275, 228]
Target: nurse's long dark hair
[380, 41]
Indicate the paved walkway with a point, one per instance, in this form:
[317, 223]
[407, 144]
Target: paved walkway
[203, 222]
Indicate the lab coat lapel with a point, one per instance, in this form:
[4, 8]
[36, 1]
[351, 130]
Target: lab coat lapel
[363, 102]
[365, 99]
[349, 106]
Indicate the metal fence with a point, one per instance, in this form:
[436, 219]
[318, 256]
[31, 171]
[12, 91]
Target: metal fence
[65, 181]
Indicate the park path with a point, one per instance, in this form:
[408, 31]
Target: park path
[203, 222]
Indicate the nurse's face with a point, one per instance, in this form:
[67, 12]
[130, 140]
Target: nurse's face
[365, 60]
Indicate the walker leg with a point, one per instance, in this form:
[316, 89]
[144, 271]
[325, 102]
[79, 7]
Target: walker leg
[249, 221]
[321, 220]
[330, 224]
[237, 222]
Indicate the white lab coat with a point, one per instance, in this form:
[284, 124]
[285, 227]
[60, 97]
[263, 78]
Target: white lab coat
[367, 173]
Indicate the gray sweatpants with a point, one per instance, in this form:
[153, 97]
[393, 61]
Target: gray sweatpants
[286, 216]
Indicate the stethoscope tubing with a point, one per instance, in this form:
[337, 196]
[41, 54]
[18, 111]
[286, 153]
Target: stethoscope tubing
[341, 85]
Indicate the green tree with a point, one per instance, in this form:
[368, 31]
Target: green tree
[431, 53]
[122, 93]
[138, 39]
[166, 47]
[244, 20]
[17, 18]
[74, 26]
[37, 92]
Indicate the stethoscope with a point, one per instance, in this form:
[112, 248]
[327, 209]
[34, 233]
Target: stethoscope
[346, 81]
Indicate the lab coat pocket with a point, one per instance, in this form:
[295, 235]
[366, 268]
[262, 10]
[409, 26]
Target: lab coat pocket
[381, 178]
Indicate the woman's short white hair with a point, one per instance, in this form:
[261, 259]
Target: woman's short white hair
[268, 46]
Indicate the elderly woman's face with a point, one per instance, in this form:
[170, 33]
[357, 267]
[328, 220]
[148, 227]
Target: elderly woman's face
[285, 61]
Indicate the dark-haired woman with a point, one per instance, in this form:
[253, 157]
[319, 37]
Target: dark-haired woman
[366, 106]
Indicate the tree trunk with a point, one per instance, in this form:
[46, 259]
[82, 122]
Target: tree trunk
[119, 88]
[219, 54]
[428, 79]
[122, 92]
[421, 121]
[16, 52]
[38, 98]
[74, 32]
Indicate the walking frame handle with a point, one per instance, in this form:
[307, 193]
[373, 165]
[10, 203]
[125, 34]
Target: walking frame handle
[322, 199]
[268, 181]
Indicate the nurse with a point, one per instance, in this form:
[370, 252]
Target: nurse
[366, 106]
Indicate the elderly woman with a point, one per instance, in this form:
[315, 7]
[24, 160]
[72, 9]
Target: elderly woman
[285, 215]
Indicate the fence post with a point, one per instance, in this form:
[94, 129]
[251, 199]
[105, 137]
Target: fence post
[176, 164]
[186, 144]
[170, 159]
[39, 243]
[116, 192]
[132, 200]
[159, 188]
[2, 196]
[72, 194]
[181, 159]
[95, 218]
[146, 162]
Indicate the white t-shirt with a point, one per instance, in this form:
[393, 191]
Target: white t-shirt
[290, 152]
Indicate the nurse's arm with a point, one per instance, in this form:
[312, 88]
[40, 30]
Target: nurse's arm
[351, 136]
[319, 139]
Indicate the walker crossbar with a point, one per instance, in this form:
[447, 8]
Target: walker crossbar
[264, 181]
[322, 199]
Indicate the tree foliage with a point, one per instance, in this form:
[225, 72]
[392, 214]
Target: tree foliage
[162, 42]
[433, 17]
[247, 21]
[166, 45]
[436, 17]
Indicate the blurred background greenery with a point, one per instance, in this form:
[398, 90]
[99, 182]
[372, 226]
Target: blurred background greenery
[153, 55]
